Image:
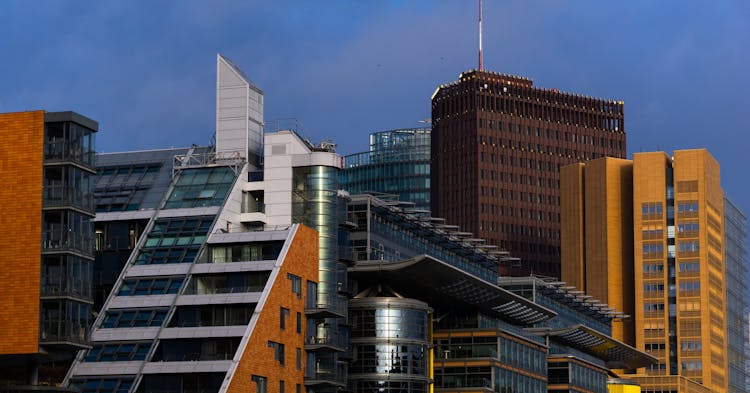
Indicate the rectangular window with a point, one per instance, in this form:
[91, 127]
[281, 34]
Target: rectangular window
[281, 386]
[296, 284]
[278, 351]
[134, 318]
[261, 384]
[150, 286]
[118, 352]
[283, 314]
[299, 322]
[298, 358]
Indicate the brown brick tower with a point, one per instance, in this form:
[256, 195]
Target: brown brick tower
[498, 144]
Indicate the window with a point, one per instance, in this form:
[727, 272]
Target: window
[298, 358]
[174, 240]
[687, 209]
[118, 352]
[312, 294]
[281, 386]
[688, 229]
[653, 307]
[687, 248]
[653, 287]
[261, 384]
[690, 286]
[278, 351]
[283, 314]
[134, 318]
[150, 286]
[690, 346]
[689, 267]
[653, 268]
[651, 211]
[653, 250]
[296, 284]
[299, 322]
[200, 187]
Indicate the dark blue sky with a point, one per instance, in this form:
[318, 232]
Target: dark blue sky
[145, 69]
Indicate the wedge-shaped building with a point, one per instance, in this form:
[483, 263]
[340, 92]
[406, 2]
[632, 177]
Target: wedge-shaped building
[201, 284]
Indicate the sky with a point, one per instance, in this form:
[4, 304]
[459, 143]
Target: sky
[145, 70]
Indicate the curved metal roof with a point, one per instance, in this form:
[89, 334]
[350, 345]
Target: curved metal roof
[616, 353]
[438, 283]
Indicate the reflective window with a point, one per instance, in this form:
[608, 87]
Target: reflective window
[201, 187]
[150, 286]
[134, 318]
[118, 352]
[123, 188]
[174, 240]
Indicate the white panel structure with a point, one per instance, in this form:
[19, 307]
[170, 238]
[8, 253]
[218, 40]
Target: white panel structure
[239, 113]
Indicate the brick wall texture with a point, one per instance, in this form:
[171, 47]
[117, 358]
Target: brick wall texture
[21, 154]
[258, 359]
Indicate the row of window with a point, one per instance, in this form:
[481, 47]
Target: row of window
[118, 352]
[150, 286]
[682, 267]
[261, 385]
[174, 240]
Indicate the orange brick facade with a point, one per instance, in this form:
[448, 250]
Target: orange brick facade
[21, 155]
[258, 358]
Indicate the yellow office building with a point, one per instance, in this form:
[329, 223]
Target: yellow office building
[647, 237]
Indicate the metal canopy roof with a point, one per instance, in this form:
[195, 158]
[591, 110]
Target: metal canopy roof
[438, 283]
[574, 298]
[617, 354]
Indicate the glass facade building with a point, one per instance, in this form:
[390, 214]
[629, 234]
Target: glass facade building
[59, 297]
[397, 163]
[735, 224]
[390, 345]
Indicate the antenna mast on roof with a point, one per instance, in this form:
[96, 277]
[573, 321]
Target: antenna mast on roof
[480, 35]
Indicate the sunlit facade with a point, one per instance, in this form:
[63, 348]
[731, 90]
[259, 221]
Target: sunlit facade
[46, 265]
[687, 310]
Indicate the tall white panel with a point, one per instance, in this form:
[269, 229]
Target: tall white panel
[239, 112]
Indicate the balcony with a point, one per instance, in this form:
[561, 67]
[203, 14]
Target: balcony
[318, 376]
[65, 240]
[314, 309]
[313, 342]
[76, 288]
[64, 333]
[62, 150]
[65, 196]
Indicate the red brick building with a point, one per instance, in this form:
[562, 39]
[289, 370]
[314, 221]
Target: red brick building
[498, 144]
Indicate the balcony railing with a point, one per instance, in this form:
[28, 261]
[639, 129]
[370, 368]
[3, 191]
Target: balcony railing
[62, 150]
[323, 377]
[54, 196]
[64, 240]
[69, 287]
[63, 331]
